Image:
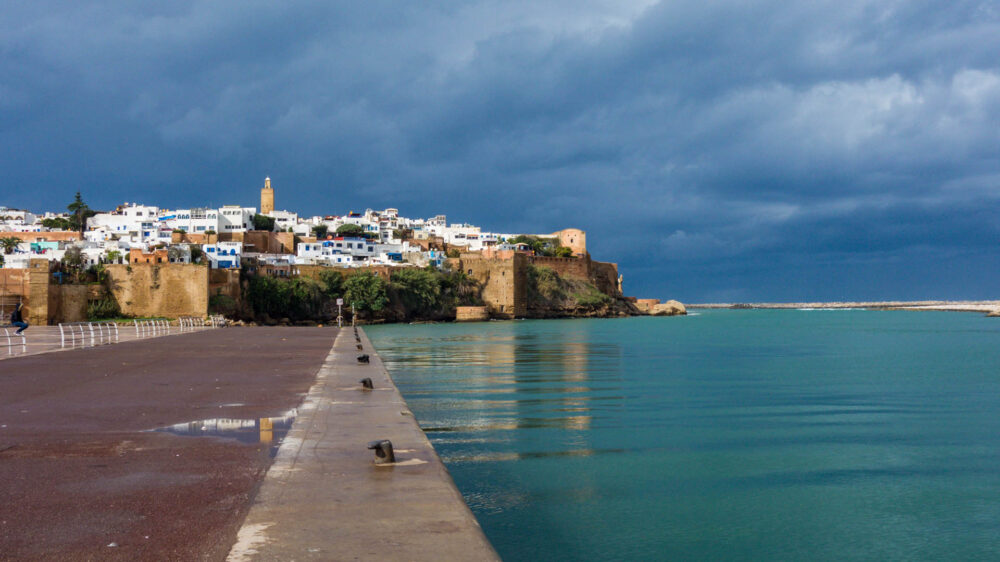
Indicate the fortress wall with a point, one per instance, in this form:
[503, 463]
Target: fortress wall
[604, 276]
[314, 271]
[565, 267]
[37, 308]
[14, 282]
[224, 282]
[168, 290]
[472, 313]
[68, 303]
[504, 282]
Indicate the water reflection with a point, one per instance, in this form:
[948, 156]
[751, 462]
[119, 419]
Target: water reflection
[261, 430]
[509, 378]
[517, 456]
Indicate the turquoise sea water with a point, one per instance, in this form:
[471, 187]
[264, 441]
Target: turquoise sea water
[727, 435]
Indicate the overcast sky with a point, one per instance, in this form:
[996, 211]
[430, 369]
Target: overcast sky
[717, 150]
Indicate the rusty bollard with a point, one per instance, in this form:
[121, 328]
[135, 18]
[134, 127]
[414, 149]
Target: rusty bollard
[363, 358]
[366, 384]
[383, 451]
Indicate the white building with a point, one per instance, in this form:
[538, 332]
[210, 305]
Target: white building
[223, 255]
[197, 220]
[233, 218]
[129, 221]
[17, 219]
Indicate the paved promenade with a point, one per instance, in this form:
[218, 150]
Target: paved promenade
[325, 499]
[84, 477]
[44, 339]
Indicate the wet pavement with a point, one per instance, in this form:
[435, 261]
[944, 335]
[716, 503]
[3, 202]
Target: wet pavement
[95, 459]
[324, 498]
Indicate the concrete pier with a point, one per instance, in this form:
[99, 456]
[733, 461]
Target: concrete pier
[324, 498]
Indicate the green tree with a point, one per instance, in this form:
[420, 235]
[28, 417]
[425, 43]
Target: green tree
[57, 223]
[366, 292]
[103, 309]
[263, 222]
[268, 295]
[350, 230]
[113, 256]
[333, 284]
[73, 261]
[418, 289]
[305, 298]
[320, 231]
[80, 212]
[541, 246]
[463, 289]
[563, 252]
[9, 244]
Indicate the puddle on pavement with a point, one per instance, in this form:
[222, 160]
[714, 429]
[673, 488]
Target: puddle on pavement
[261, 430]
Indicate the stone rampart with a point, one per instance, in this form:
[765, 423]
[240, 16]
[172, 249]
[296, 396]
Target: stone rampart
[167, 290]
[314, 271]
[224, 282]
[14, 282]
[68, 303]
[472, 313]
[504, 282]
[565, 267]
[646, 305]
[604, 276]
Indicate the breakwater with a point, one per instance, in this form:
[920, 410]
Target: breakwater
[325, 497]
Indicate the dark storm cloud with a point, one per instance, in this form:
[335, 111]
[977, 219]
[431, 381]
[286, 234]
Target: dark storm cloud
[713, 148]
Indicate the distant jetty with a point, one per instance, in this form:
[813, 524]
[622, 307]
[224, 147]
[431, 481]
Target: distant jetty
[962, 306]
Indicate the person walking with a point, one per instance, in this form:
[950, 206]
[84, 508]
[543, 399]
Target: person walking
[17, 320]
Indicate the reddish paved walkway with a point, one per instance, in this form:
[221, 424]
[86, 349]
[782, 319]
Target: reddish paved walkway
[80, 473]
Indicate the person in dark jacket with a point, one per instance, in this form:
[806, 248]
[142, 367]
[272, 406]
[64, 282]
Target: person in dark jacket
[17, 320]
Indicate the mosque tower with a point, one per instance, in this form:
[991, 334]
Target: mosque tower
[267, 198]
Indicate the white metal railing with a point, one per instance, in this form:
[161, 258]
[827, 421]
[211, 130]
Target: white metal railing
[88, 333]
[190, 322]
[218, 321]
[11, 335]
[149, 328]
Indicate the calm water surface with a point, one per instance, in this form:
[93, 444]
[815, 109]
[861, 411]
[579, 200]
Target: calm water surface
[735, 435]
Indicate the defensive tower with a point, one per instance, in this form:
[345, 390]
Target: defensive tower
[267, 198]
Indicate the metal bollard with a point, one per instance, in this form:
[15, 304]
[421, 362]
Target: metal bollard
[363, 358]
[383, 451]
[360, 347]
[366, 384]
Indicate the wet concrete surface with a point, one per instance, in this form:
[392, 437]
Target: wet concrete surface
[324, 498]
[85, 476]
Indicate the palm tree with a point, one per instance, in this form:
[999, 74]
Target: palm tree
[9, 244]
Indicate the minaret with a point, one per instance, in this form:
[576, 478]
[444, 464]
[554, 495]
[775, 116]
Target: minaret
[267, 198]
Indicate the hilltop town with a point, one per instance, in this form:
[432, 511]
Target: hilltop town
[274, 266]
